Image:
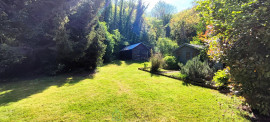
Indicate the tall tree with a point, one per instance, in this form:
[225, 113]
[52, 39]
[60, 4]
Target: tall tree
[137, 25]
[185, 26]
[42, 41]
[164, 12]
[129, 17]
[120, 24]
[108, 11]
[114, 26]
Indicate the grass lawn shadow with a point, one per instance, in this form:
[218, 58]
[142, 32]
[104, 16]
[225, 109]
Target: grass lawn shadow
[120, 62]
[17, 89]
[115, 62]
[154, 75]
[185, 83]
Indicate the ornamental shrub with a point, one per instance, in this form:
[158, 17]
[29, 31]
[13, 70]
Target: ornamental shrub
[170, 62]
[156, 62]
[221, 78]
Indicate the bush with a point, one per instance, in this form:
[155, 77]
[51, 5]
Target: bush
[156, 62]
[166, 46]
[170, 62]
[221, 78]
[197, 70]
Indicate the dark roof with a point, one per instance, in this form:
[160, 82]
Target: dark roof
[198, 47]
[131, 47]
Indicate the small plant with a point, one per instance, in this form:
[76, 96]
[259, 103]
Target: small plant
[156, 62]
[170, 62]
[221, 78]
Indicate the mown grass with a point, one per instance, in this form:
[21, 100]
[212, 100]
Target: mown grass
[118, 92]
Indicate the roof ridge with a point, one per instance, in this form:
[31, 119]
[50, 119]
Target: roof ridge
[130, 47]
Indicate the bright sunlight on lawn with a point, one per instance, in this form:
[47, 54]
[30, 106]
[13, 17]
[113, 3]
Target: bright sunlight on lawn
[118, 91]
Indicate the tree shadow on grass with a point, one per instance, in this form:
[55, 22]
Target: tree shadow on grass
[186, 83]
[129, 62]
[154, 75]
[120, 62]
[16, 89]
[115, 62]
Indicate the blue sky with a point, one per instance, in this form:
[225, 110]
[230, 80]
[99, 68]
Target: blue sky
[179, 4]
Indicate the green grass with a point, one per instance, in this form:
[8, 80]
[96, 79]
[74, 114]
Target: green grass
[117, 92]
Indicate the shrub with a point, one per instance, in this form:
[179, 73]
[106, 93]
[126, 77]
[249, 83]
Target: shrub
[170, 62]
[156, 62]
[166, 46]
[197, 70]
[221, 78]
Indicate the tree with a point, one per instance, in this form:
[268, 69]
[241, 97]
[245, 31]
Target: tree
[108, 11]
[42, 35]
[115, 15]
[185, 26]
[238, 35]
[156, 28]
[166, 46]
[137, 25]
[164, 12]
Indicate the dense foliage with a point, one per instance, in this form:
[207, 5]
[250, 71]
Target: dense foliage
[170, 62]
[238, 35]
[166, 46]
[52, 37]
[185, 26]
[43, 36]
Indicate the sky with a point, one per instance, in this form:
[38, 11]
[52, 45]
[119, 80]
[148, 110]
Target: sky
[179, 4]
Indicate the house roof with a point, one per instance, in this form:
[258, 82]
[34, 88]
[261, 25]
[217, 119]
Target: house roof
[131, 47]
[198, 47]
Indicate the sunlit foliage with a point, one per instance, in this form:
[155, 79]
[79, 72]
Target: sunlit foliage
[238, 35]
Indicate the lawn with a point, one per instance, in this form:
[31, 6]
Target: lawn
[117, 92]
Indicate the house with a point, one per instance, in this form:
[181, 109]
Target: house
[187, 51]
[137, 52]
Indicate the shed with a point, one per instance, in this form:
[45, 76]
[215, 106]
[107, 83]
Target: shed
[137, 52]
[187, 51]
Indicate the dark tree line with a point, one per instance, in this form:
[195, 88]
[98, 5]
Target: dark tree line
[49, 36]
[60, 36]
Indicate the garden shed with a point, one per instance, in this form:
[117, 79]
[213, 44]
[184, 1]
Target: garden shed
[187, 51]
[137, 52]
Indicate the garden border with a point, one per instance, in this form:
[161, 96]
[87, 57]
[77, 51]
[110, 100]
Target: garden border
[186, 81]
